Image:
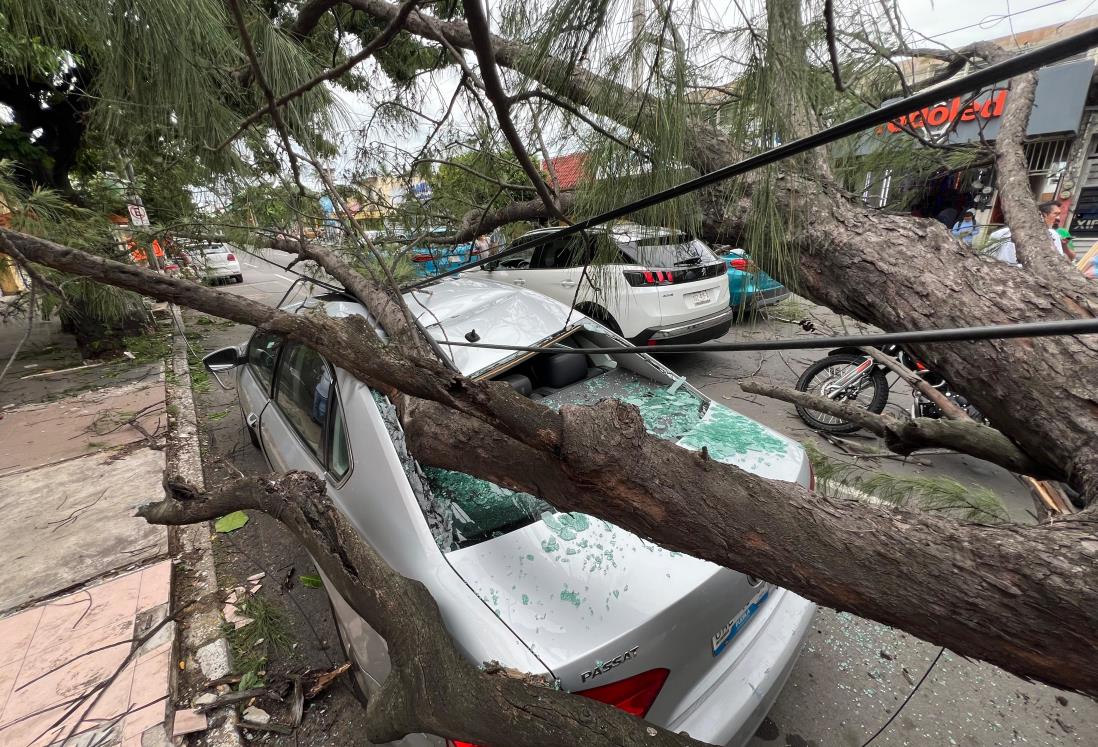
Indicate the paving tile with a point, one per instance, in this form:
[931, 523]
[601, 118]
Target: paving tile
[88, 609]
[143, 718]
[188, 720]
[67, 648]
[33, 731]
[150, 678]
[16, 633]
[114, 703]
[8, 673]
[156, 584]
[73, 680]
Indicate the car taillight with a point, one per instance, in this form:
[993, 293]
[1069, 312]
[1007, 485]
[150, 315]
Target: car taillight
[422, 257]
[739, 264]
[230, 257]
[634, 695]
[644, 278]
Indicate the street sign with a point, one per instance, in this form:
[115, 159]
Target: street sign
[138, 216]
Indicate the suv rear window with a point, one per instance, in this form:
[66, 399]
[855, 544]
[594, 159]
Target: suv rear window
[668, 251]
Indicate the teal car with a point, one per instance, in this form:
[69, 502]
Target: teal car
[748, 286]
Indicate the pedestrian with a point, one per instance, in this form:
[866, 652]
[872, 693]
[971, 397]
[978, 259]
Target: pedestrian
[481, 246]
[965, 229]
[1066, 243]
[1003, 246]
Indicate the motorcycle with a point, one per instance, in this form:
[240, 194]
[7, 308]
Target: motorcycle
[850, 375]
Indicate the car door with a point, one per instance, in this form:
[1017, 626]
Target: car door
[557, 268]
[513, 269]
[256, 377]
[292, 428]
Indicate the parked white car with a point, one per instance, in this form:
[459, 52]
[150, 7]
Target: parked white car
[658, 286]
[682, 642]
[213, 262]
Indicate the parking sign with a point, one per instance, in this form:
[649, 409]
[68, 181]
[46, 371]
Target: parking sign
[138, 216]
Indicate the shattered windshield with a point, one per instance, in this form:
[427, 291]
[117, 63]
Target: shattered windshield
[479, 510]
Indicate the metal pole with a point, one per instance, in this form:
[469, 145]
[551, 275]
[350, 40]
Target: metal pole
[154, 261]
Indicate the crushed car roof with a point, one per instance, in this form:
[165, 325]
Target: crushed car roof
[499, 313]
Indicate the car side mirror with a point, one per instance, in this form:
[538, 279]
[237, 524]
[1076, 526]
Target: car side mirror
[223, 360]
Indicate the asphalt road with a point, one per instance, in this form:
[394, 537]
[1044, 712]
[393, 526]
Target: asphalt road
[852, 674]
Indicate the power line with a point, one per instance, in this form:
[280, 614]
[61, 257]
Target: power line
[995, 18]
[913, 691]
[952, 334]
[977, 80]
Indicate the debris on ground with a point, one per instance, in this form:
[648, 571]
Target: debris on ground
[231, 522]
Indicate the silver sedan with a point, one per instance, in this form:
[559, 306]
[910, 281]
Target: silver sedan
[676, 640]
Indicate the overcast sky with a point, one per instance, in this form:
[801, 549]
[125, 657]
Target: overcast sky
[988, 19]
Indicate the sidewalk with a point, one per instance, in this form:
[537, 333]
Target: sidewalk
[87, 644]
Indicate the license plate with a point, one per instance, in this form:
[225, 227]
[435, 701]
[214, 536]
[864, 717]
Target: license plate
[698, 298]
[726, 634]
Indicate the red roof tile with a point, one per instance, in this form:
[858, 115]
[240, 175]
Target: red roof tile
[569, 169]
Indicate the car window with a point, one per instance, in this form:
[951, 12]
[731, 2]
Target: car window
[571, 251]
[339, 452]
[302, 393]
[262, 354]
[667, 251]
[517, 261]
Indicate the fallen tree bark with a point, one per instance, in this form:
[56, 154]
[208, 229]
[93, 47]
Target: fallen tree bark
[987, 593]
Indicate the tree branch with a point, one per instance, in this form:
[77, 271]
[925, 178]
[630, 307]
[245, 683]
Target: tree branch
[481, 37]
[1027, 230]
[906, 436]
[832, 48]
[304, 20]
[253, 59]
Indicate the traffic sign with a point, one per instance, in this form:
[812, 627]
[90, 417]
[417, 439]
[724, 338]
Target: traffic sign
[138, 216]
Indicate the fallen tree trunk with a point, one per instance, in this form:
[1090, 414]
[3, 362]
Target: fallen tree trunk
[987, 593]
[894, 272]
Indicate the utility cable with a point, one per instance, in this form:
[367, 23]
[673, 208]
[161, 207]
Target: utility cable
[992, 74]
[952, 334]
[913, 691]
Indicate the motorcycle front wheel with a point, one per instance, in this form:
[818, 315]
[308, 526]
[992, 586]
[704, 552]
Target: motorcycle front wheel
[870, 393]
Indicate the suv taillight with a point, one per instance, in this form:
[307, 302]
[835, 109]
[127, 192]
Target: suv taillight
[639, 279]
[634, 695]
[230, 257]
[649, 278]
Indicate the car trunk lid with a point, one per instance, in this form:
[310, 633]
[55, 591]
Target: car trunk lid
[597, 603]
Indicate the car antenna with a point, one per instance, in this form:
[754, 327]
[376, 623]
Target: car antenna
[472, 336]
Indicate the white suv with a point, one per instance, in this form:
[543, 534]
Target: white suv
[655, 286]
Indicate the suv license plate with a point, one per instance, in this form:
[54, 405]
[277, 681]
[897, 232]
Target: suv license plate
[698, 298]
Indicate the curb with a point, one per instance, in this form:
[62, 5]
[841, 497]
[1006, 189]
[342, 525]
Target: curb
[203, 650]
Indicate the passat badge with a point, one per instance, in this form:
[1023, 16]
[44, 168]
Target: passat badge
[605, 666]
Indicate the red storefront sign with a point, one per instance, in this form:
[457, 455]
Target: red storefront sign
[937, 118]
